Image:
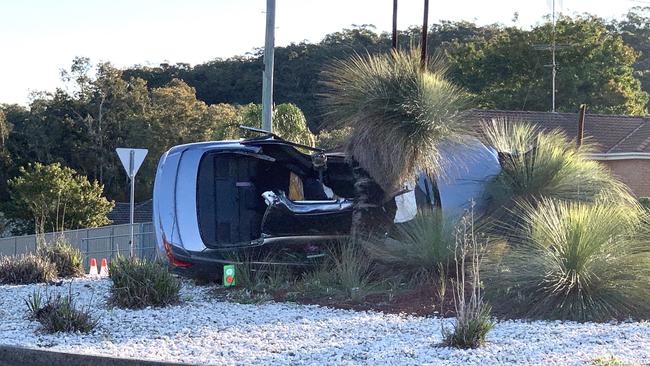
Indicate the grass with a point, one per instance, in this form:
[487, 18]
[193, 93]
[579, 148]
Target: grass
[612, 361]
[573, 261]
[26, 269]
[60, 313]
[422, 245]
[139, 283]
[67, 259]
[473, 320]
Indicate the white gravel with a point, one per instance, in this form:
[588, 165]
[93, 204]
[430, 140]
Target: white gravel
[205, 331]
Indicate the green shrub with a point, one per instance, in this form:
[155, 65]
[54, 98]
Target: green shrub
[26, 269]
[575, 261]
[538, 164]
[422, 245]
[139, 283]
[67, 259]
[60, 313]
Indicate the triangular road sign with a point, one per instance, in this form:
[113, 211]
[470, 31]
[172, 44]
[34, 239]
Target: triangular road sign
[131, 159]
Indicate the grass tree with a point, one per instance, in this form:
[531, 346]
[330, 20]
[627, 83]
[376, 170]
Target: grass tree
[573, 260]
[398, 114]
[540, 164]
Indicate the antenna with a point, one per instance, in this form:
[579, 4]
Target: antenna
[553, 64]
[553, 47]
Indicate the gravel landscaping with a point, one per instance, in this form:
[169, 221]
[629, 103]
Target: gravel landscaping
[202, 330]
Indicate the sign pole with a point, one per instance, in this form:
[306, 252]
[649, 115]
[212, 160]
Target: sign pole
[132, 177]
[131, 161]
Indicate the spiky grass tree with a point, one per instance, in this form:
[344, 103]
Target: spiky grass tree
[398, 114]
[538, 164]
[575, 261]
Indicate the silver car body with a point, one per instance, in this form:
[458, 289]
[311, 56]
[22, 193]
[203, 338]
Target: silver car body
[467, 169]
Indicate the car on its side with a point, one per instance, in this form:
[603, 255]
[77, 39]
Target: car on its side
[217, 201]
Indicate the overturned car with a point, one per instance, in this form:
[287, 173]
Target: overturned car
[213, 200]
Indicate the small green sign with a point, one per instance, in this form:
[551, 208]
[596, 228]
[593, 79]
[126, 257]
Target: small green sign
[229, 275]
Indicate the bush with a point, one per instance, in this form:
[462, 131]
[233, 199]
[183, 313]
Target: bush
[139, 283]
[473, 321]
[346, 273]
[422, 245]
[67, 259]
[60, 313]
[538, 164]
[26, 269]
[574, 261]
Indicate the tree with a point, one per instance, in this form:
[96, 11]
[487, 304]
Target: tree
[399, 113]
[53, 197]
[506, 71]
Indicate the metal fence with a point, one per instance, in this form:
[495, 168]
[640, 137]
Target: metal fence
[102, 242]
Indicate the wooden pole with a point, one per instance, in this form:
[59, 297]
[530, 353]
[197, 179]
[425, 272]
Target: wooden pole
[394, 45]
[425, 30]
[581, 124]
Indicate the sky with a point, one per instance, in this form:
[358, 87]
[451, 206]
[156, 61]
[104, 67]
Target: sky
[38, 38]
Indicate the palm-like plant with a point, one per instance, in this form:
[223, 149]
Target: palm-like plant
[398, 114]
[537, 164]
[573, 260]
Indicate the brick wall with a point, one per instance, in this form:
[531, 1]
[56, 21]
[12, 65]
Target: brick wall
[634, 172]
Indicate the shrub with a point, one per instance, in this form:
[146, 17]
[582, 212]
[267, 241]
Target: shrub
[26, 269]
[345, 273]
[67, 259]
[424, 244]
[575, 261]
[473, 321]
[139, 283]
[60, 313]
[537, 164]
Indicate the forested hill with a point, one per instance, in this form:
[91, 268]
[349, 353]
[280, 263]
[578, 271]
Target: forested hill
[605, 64]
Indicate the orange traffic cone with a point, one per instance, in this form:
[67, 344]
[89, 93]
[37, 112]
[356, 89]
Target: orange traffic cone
[103, 270]
[93, 267]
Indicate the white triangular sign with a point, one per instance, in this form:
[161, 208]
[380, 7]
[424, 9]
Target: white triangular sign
[131, 165]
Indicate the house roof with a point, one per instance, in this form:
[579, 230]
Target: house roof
[142, 212]
[611, 133]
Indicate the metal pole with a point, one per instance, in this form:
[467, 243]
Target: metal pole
[425, 30]
[394, 24]
[267, 78]
[132, 177]
[554, 66]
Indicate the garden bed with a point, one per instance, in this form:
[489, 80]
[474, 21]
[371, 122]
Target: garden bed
[204, 330]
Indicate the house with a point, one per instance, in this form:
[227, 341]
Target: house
[121, 213]
[623, 141]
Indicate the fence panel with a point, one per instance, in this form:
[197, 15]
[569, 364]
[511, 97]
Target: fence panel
[102, 242]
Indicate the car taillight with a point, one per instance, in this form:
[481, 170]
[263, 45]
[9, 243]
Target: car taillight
[173, 260]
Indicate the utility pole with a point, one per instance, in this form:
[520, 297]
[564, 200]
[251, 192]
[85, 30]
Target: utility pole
[267, 76]
[425, 30]
[394, 25]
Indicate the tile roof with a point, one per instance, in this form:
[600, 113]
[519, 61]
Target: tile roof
[611, 133]
[142, 212]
